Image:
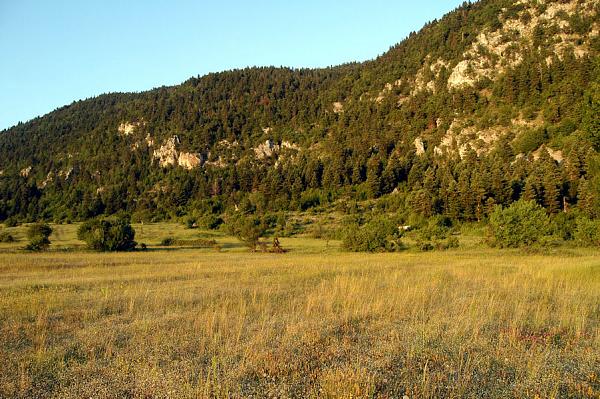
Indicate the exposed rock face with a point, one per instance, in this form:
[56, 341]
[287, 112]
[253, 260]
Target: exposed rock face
[218, 163]
[189, 161]
[556, 155]
[149, 140]
[66, 173]
[419, 146]
[290, 146]
[127, 128]
[467, 73]
[49, 179]
[229, 145]
[269, 148]
[460, 139]
[168, 155]
[266, 149]
[424, 79]
[383, 93]
[494, 51]
[25, 171]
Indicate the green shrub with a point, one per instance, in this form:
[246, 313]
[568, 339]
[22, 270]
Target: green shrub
[196, 243]
[378, 235]
[167, 241]
[436, 234]
[247, 229]
[309, 199]
[6, 237]
[437, 227]
[190, 223]
[110, 234]
[452, 242]
[318, 231]
[588, 232]
[11, 222]
[38, 234]
[39, 230]
[563, 225]
[210, 221]
[530, 140]
[521, 224]
[37, 244]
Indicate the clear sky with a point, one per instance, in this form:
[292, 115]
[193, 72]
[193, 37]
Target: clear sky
[54, 52]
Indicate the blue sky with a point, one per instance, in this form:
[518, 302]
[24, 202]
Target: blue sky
[56, 52]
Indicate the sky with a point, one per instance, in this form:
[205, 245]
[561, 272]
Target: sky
[55, 52]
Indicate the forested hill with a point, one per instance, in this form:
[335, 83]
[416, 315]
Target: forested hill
[498, 100]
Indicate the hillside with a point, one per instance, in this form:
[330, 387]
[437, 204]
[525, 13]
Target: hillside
[496, 101]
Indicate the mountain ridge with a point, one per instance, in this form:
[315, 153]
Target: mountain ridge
[512, 80]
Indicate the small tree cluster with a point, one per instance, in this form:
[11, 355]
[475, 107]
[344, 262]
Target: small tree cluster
[378, 235]
[436, 234]
[110, 234]
[587, 232]
[38, 234]
[521, 224]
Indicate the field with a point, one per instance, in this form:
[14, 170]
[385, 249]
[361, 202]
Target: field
[314, 322]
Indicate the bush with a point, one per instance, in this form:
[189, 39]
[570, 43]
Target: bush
[247, 229]
[167, 242]
[378, 235]
[436, 234]
[11, 222]
[38, 234]
[190, 223]
[530, 140]
[6, 237]
[37, 244]
[111, 234]
[39, 230]
[564, 225]
[309, 199]
[521, 224]
[196, 243]
[588, 232]
[210, 221]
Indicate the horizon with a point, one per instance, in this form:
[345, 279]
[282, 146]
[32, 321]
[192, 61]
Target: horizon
[72, 52]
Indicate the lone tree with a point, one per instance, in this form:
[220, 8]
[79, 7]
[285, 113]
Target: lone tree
[38, 234]
[109, 234]
[247, 229]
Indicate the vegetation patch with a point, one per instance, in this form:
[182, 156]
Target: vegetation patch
[378, 235]
[38, 234]
[6, 237]
[108, 234]
[521, 224]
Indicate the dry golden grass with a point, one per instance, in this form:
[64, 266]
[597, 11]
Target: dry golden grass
[193, 323]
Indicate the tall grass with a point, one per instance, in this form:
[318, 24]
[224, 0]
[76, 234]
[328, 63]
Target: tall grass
[480, 323]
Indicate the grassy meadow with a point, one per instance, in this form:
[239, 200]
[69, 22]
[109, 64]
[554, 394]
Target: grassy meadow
[313, 323]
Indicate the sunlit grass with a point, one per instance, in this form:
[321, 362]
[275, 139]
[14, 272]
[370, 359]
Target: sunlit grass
[197, 323]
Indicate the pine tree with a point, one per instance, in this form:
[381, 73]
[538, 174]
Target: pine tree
[550, 183]
[374, 184]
